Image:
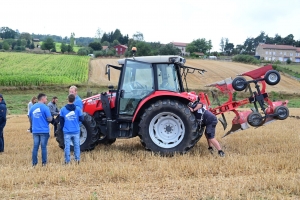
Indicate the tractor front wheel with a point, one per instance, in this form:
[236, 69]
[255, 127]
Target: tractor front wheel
[88, 135]
[168, 127]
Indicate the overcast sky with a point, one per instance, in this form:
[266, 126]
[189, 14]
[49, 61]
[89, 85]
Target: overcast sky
[159, 20]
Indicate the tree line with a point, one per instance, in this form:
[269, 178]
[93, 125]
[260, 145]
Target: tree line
[19, 41]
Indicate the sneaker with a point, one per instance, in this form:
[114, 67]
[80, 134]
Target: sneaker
[211, 150]
[221, 153]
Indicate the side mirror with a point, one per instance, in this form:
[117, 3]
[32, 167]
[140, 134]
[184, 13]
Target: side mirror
[107, 71]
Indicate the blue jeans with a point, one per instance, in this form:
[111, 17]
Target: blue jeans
[1, 139]
[75, 140]
[39, 138]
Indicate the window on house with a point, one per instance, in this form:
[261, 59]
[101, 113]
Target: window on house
[266, 52]
[273, 52]
[284, 53]
[120, 49]
[291, 54]
[270, 53]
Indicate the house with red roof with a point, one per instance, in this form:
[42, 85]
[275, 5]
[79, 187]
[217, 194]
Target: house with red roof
[273, 52]
[182, 46]
[120, 49]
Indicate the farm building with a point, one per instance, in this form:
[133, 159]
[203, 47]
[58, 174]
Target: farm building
[182, 47]
[278, 52]
[120, 49]
[105, 48]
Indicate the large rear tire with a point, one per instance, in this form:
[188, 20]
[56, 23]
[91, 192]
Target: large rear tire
[168, 127]
[88, 135]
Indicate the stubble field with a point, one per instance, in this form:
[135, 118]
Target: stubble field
[261, 163]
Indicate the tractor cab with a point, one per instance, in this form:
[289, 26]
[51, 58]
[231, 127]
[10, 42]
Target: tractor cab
[142, 76]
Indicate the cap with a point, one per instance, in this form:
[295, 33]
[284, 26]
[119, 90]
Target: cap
[1, 96]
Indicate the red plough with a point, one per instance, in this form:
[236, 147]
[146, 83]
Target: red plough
[270, 111]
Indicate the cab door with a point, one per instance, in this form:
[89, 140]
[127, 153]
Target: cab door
[137, 82]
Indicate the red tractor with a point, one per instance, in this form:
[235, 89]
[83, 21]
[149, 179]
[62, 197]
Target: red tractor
[151, 103]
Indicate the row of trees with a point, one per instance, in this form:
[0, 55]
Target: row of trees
[114, 38]
[16, 45]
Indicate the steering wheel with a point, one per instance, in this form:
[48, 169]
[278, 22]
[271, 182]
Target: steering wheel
[136, 85]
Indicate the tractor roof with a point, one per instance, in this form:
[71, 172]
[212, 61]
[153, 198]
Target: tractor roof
[156, 59]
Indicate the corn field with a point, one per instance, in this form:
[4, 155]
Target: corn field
[22, 69]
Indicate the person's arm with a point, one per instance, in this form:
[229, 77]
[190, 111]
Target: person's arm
[28, 107]
[62, 122]
[48, 114]
[30, 121]
[52, 109]
[56, 111]
[81, 117]
[199, 105]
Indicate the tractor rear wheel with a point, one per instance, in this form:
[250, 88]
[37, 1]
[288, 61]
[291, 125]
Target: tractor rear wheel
[88, 135]
[168, 127]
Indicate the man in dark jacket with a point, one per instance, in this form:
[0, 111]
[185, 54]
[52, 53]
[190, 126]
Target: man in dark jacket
[70, 115]
[2, 121]
[209, 120]
[54, 112]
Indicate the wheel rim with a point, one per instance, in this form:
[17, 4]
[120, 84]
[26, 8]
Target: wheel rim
[166, 130]
[240, 83]
[83, 135]
[273, 77]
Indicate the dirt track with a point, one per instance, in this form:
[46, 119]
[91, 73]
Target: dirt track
[216, 71]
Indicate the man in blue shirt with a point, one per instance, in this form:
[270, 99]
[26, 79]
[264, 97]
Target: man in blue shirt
[3, 110]
[70, 115]
[78, 101]
[40, 117]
